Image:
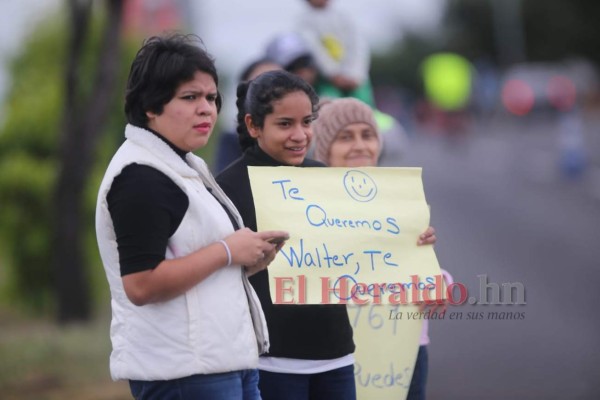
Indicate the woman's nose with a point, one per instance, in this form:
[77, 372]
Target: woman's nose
[299, 133]
[203, 107]
[359, 143]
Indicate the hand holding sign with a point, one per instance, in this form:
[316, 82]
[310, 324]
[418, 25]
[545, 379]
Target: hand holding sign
[355, 227]
[352, 230]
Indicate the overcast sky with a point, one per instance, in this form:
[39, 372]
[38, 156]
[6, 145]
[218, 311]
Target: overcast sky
[236, 31]
[16, 19]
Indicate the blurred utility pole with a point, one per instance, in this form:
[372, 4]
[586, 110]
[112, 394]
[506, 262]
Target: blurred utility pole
[83, 120]
[508, 31]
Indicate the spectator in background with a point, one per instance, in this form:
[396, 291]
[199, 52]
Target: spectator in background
[340, 53]
[394, 140]
[228, 146]
[291, 52]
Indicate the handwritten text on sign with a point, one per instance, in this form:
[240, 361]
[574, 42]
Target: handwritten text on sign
[386, 350]
[353, 233]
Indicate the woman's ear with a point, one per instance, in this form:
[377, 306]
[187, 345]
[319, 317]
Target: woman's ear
[150, 115]
[252, 129]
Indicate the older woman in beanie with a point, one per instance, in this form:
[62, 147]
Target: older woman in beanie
[346, 135]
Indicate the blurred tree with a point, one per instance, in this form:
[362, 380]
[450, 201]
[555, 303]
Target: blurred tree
[550, 30]
[27, 169]
[400, 66]
[555, 29]
[40, 126]
[84, 115]
[469, 28]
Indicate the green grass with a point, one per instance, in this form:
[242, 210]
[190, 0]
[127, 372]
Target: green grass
[42, 361]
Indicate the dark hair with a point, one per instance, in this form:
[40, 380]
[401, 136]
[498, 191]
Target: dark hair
[249, 69]
[304, 61]
[256, 98]
[160, 66]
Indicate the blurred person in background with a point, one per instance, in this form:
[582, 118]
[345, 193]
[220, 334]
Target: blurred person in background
[290, 50]
[186, 323]
[341, 54]
[228, 147]
[311, 354]
[394, 139]
[346, 135]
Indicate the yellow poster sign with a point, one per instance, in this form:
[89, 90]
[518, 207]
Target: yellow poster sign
[387, 342]
[353, 235]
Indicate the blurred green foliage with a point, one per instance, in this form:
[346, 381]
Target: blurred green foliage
[400, 65]
[29, 140]
[555, 29]
[28, 167]
[29, 144]
[552, 31]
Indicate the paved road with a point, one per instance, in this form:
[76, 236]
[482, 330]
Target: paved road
[502, 209]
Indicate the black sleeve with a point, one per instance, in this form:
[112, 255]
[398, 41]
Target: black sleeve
[236, 184]
[228, 150]
[146, 207]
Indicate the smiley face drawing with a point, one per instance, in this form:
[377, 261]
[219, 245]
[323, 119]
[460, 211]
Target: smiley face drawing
[360, 186]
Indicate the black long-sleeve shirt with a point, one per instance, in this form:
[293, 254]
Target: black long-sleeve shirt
[146, 208]
[310, 332]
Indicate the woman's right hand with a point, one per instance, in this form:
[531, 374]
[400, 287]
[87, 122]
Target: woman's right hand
[248, 247]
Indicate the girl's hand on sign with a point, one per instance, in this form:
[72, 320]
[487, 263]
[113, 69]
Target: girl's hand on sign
[427, 237]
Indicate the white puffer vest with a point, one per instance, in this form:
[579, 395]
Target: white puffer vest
[217, 326]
